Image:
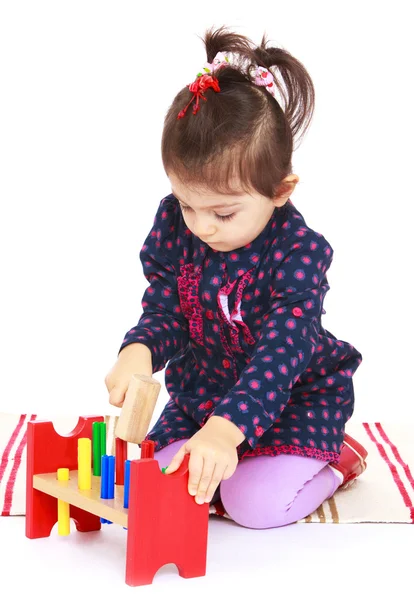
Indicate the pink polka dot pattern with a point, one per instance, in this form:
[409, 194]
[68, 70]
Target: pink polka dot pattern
[240, 336]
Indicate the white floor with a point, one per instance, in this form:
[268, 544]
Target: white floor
[304, 561]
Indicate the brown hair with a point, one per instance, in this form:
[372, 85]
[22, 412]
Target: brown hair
[240, 133]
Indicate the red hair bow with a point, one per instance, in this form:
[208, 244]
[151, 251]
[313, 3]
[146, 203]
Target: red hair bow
[200, 85]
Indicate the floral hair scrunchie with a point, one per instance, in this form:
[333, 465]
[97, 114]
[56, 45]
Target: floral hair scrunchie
[260, 76]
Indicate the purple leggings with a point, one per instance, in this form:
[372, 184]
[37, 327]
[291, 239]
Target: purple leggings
[270, 491]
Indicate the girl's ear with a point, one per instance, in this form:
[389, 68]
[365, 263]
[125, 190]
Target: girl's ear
[285, 190]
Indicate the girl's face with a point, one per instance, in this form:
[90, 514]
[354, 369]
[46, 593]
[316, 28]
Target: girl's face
[224, 222]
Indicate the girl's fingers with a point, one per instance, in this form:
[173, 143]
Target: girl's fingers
[195, 467]
[229, 471]
[205, 479]
[176, 461]
[117, 396]
[215, 481]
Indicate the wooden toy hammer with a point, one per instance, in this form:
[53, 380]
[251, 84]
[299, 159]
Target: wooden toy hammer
[137, 409]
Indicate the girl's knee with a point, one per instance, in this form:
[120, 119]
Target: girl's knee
[262, 495]
[255, 508]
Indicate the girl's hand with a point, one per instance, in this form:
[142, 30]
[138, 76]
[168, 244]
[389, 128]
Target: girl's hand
[134, 358]
[213, 457]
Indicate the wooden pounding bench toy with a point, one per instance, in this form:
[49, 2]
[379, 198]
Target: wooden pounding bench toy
[71, 476]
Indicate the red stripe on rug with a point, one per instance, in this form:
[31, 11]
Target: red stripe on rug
[397, 455]
[394, 472]
[8, 497]
[7, 450]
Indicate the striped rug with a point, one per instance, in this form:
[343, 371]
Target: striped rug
[383, 494]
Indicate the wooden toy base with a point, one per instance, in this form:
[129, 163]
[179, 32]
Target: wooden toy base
[165, 524]
[88, 500]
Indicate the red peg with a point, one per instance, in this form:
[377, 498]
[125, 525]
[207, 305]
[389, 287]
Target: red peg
[147, 449]
[121, 455]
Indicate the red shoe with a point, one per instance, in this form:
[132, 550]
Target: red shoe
[351, 461]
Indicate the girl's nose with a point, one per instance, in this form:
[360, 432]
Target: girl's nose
[203, 230]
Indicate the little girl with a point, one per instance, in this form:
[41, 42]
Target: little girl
[259, 391]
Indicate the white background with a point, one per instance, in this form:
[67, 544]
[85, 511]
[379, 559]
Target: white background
[84, 90]
[84, 87]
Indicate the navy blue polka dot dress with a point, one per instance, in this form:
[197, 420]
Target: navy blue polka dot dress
[240, 335]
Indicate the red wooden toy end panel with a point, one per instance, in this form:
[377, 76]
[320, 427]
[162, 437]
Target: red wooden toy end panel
[48, 451]
[165, 524]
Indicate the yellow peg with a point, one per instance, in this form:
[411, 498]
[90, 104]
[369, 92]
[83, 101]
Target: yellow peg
[63, 507]
[84, 464]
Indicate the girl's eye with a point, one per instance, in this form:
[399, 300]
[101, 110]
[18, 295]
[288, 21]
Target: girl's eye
[225, 217]
[220, 217]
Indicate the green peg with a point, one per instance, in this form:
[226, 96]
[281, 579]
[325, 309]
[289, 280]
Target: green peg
[96, 445]
[102, 427]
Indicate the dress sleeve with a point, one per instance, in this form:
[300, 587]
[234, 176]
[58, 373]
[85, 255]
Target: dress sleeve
[162, 327]
[287, 341]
